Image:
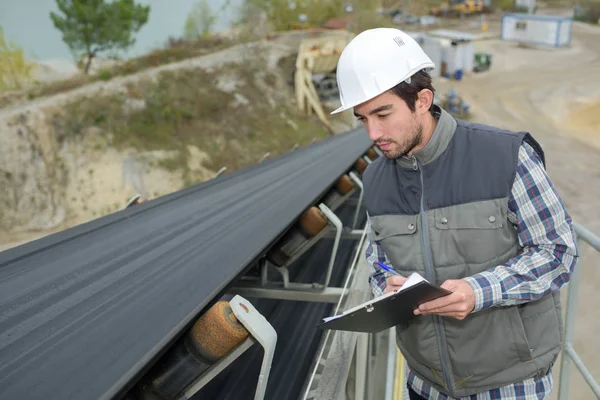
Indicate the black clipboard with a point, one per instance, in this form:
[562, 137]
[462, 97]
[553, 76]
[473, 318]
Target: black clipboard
[386, 311]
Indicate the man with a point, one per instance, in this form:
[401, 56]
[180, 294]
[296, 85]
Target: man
[469, 207]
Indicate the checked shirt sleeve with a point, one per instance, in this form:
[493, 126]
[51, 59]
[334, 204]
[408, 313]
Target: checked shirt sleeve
[545, 232]
[374, 253]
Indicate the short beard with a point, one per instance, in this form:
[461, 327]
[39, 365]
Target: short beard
[409, 144]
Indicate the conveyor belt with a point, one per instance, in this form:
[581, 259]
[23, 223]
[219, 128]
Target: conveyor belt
[85, 311]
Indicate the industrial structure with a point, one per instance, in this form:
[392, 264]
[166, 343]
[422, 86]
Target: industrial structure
[216, 291]
[212, 292]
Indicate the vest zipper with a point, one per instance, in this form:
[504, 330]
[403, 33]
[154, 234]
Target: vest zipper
[437, 322]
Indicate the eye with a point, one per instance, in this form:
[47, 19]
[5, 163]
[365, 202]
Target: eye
[382, 116]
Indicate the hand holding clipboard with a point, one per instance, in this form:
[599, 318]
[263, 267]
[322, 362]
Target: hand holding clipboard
[391, 309]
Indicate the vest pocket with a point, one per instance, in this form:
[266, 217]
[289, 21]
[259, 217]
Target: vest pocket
[489, 347]
[471, 233]
[397, 236]
[384, 226]
[488, 214]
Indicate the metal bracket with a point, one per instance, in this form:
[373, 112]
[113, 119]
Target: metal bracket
[261, 287]
[367, 159]
[261, 331]
[348, 234]
[338, 235]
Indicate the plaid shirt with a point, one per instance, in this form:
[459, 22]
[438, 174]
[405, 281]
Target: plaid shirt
[546, 234]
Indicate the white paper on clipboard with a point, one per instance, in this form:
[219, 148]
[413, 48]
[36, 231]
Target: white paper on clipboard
[412, 280]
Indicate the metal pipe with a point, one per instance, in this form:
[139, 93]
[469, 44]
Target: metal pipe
[588, 236]
[391, 365]
[353, 266]
[587, 375]
[569, 354]
[565, 362]
[362, 350]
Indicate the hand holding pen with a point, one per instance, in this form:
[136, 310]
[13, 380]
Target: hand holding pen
[393, 282]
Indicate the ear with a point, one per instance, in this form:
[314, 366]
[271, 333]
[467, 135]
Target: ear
[424, 101]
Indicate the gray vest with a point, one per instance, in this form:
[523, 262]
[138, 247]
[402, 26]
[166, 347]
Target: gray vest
[443, 213]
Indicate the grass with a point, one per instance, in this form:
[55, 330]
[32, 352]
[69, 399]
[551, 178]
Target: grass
[175, 50]
[187, 107]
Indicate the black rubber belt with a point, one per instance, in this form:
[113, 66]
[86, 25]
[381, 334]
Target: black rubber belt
[85, 311]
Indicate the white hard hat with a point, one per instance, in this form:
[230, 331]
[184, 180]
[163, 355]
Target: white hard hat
[375, 61]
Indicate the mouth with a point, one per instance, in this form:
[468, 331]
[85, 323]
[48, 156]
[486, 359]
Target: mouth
[385, 146]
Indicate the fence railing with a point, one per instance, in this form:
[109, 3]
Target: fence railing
[569, 355]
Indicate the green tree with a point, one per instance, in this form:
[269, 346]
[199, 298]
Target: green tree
[15, 70]
[200, 21]
[284, 14]
[93, 26]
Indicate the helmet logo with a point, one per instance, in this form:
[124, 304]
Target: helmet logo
[399, 41]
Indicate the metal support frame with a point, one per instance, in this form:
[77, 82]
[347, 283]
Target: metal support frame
[339, 226]
[320, 292]
[362, 357]
[359, 183]
[220, 172]
[569, 354]
[287, 290]
[133, 200]
[260, 331]
[297, 293]
[347, 234]
[391, 365]
[267, 155]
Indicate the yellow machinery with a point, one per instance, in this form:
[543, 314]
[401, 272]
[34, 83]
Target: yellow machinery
[459, 7]
[317, 56]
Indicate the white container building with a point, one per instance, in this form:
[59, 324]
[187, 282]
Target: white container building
[534, 29]
[458, 51]
[433, 48]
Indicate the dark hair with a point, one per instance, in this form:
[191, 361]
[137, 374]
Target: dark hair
[409, 91]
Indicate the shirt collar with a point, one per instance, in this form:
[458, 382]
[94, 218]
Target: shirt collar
[437, 144]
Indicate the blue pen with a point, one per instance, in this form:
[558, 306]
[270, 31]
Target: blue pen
[388, 269]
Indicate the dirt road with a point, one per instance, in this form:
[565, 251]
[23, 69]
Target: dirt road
[546, 92]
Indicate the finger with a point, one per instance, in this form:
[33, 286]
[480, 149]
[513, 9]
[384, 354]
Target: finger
[441, 303]
[449, 285]
[396, 280]
[454, 308]
[390, 288]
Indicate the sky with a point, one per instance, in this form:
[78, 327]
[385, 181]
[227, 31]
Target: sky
[27, 23]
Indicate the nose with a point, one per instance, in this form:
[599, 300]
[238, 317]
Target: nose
[374, 130]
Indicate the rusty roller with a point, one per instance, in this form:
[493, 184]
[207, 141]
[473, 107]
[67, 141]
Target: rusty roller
[360, 166]
[310, 223]
[214, 335]
[372, 154]
[343, 186]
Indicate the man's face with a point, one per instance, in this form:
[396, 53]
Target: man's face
[391, 125]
